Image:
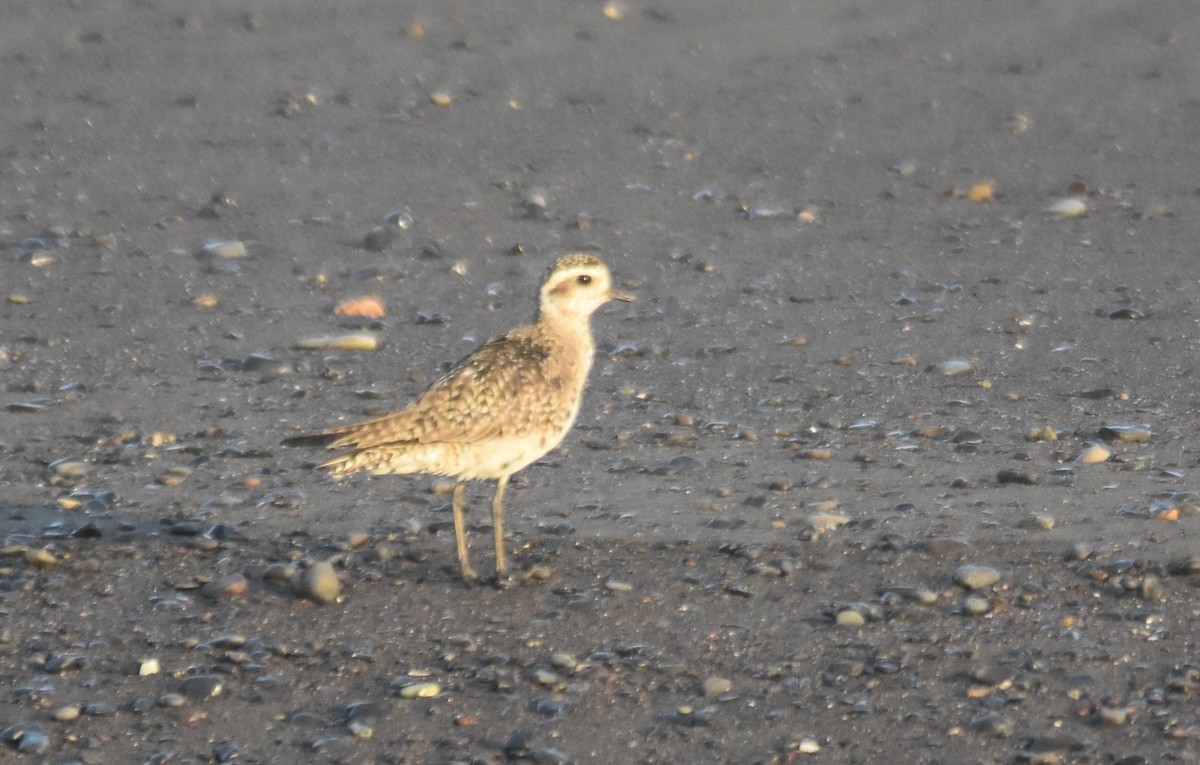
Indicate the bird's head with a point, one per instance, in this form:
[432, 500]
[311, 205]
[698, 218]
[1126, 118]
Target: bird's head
[576, 285]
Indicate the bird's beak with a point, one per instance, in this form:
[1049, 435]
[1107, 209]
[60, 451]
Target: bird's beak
[624, 296]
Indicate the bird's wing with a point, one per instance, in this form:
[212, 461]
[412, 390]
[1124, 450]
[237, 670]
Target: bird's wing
[473, 401]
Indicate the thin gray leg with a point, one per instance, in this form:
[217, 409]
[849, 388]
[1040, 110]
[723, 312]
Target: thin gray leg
[460, 532]
[498, 528]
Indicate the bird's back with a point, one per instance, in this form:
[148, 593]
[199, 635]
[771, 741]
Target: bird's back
[496, 411]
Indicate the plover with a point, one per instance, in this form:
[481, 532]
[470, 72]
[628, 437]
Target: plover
[499, 409]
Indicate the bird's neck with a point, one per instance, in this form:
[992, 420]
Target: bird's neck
[571, 332]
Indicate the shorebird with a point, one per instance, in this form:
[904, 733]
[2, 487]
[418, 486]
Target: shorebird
[496, 411]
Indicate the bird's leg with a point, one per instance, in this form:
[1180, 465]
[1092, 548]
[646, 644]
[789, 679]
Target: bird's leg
[498, 529]
[460, 532]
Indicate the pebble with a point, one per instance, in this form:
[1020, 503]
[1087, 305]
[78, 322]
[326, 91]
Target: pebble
[947, 547]
[319, 582]
[1007, 476]
[1125, 434]
[231, 250]
[1038, 521]
[850, 618]
[1111, 717]
[715, 686]
[27, 738]
[1093, 454]
[379, 238]
[232, 586]
[827, 521]
[426, 690]
[1068, 207]
[172, 700]
[548, 678]
[806, 745]
[41, 558]
[996, 726]
[952, 368]
[355, 341]
[566, 661]
[200, 687]
[552, 705]
[975, 605]
[281, 573]
[1045, 433]
[976, 577]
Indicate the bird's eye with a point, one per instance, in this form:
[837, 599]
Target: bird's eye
[584, 279]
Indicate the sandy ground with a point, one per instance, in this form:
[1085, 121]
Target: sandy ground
[750, 548]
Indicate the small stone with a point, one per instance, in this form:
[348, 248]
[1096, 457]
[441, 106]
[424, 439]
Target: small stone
[41, 559]
[1039, 521]
[827, 521]
[232, 586]
[952, 368]
[1016, 477]
[715, 686]
[1152, 590]
[232, 250]
[420, 691]
[976, 605]
[1068, 207]
[566, 661]
[1111, 717]
[806, 745]
[1093, 454]
[283, 573]
[614, 585]
[172, 700]
[355, 341]
[200, 687]
[149, 667]
[947, 547]
[66, 714]
[1044, 433]
[319, 582]
[976, 577]
[996, 726]
[379, 238]
[1080, 551]
[1126, 434]
[553, 705]
[850, 618]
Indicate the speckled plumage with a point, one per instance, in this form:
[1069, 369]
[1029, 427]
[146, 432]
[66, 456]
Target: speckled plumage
[499, 409]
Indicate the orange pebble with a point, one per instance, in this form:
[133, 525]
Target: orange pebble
[367, 307]
[1171, 514]
[981, 192]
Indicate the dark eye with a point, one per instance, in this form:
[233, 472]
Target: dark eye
[584, 279]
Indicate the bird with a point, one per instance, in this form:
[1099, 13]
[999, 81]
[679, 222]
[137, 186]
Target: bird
[499, 409]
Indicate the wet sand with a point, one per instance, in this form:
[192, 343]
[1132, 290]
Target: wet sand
[750, 548]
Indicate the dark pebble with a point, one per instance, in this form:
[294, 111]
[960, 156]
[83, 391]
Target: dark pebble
[996, 726]
[552, 706]
[200, 687]
[945, 547]
[1016, 477]
[1055, 742]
